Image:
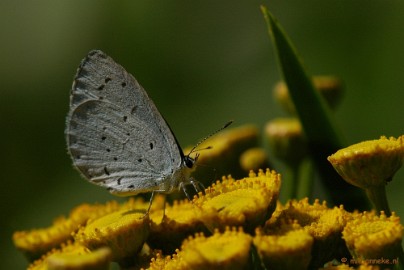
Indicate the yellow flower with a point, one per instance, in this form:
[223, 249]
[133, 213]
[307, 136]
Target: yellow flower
[97, 260]
[319, 220]
[369, 163]
[330, 87]
[123, 231]
[286, 138]
[226, 148]
[181, 219]
[369, 236]
[254, 159]
[247, 202]
[78, 253]
[325, 225]
[285, 250]
[227, 250]
[35, 243]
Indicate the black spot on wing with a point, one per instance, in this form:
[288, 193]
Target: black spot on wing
[106, 170]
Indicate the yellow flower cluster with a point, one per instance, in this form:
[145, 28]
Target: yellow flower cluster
[222, 229]
[235, 224]
[35, 243]
[124, 229]
[247, 203]
[323, 224]
[298, 235]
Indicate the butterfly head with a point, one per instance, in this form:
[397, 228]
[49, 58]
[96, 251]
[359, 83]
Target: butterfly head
[189, 161]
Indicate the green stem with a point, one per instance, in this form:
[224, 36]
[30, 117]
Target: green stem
[290, 182]
[400, 264]
[377, 195]
[305, 185]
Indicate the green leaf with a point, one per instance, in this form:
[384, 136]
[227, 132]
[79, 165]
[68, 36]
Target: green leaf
[319, 126]
[312, 110]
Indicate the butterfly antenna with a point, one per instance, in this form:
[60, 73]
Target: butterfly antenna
[207, 137]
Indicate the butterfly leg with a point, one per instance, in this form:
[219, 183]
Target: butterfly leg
[198, 186]
[150, 203]
[183, 187]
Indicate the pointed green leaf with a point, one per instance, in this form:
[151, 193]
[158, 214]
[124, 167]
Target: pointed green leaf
[315, 116]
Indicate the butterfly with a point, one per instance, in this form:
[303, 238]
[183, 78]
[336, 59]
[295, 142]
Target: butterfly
[116, 136]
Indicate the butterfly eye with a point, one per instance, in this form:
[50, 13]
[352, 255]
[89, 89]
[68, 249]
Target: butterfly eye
[189, 162]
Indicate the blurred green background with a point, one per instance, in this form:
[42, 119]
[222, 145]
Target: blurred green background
[202, 62]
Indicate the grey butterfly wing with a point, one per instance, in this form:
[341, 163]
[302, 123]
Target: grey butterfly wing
[115, 134]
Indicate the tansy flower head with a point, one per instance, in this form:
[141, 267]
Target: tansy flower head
[316, 218]
[290, 249]
[96, 260]
[247, 202]
[254, 159]
[369, 236]
[36, 242]
[325, 225]
[369, 163]
[181, 219]
[330, 87]
[66, 248]
[286, 138]
[124, 231]
[226, 148]
[227, 250]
